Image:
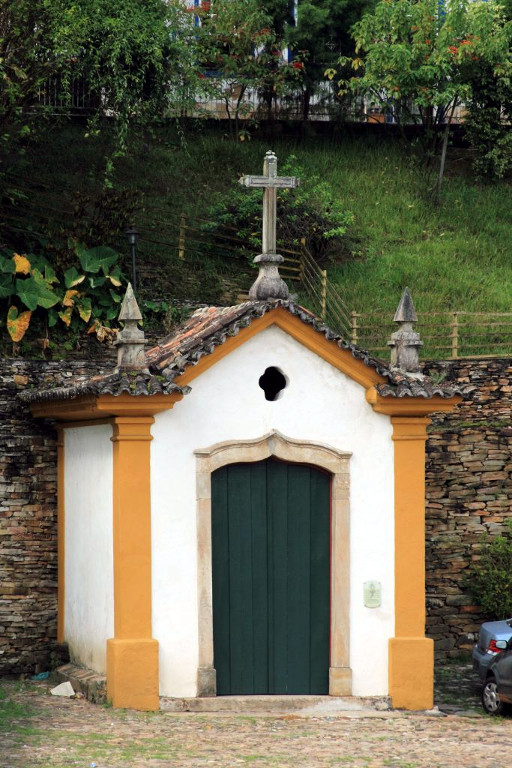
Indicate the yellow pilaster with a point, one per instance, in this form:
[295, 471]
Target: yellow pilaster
[132, 654]
[411, 654]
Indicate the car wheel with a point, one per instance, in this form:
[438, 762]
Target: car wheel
[490, 698]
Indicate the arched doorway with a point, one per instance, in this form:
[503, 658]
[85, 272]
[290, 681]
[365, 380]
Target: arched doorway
[271, 578]
[336, 464]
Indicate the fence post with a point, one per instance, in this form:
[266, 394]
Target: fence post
[455, 334]
[302, 257]
[353, 327]
[181, 244]
[323, 297]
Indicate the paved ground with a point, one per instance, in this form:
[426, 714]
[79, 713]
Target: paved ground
[41, 730]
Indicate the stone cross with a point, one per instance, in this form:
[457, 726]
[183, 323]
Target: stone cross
[268, 284]
[270, 182]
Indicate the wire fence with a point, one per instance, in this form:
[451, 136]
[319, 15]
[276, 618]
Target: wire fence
[445, 335]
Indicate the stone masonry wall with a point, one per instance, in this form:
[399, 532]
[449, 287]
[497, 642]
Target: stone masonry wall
[469, 492]
[28, 530]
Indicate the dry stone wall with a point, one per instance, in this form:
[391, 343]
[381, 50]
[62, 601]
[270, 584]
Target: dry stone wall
[28, 531]
[469, 491]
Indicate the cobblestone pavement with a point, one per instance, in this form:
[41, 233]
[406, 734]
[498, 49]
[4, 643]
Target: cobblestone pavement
[57, 733]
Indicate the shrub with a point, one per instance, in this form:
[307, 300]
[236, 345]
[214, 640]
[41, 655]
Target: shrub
[312, 211]
[490, 579]
[31, 290]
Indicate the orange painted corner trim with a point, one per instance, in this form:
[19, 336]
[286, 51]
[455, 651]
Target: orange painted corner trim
[410, 406]
[342, 359]
[411, 672]
[132, 655]
[92, 408]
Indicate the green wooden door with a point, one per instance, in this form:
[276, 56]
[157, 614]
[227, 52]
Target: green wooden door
[271, 578]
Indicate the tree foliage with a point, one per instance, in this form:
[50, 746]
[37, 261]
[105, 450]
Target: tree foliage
[321, 34]
[240, 49]
[420, 58]
[131, 55]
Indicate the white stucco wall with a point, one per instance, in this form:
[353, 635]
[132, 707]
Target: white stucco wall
[89, 601]
[226, 403]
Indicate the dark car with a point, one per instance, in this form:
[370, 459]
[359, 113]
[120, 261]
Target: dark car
[497, 690]
[485, 650]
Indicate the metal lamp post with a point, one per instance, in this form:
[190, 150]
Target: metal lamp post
[131, 235]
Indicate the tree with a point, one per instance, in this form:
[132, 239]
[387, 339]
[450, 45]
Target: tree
[417, 57]
[487, 118]
[239, 50]
[132, 54]
[322, 33]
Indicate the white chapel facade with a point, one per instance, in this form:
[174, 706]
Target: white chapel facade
[241, 509]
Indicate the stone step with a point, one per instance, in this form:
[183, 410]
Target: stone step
[91, 684]
[310, 705]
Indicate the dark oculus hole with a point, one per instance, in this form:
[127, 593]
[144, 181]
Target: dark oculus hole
[272, 383]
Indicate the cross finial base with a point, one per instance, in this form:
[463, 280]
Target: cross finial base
[268, 285]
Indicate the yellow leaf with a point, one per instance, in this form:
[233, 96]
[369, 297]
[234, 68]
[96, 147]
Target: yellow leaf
[65, 315]
[68, 300]
[114, 281]
[22, 264]
[85, 313]
[94, 326]
[17, 324]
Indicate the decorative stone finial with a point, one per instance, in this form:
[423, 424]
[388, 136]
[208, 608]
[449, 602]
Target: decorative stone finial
[405, 342]
[269, 284]
[130, 341]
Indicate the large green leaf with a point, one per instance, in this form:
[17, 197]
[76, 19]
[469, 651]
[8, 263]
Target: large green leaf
[85, 309]
[97, 282]
[72, 277]
[28, 292]
[49, 275]
[6, 265]
[47, 297]
[34, 291]
[96, 259]
[115, 277]
[6, 286]
[52, 318]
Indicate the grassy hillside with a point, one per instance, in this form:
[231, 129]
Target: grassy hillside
[457, 256]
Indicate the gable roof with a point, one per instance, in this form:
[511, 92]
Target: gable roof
[209, 328]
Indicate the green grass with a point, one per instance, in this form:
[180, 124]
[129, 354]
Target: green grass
[453, 257]
[11, 711]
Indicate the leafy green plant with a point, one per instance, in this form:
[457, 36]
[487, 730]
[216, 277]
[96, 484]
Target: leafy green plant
[490, 578]
[312, 212]
[421, 59]
[239, 49]
[87, 293]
